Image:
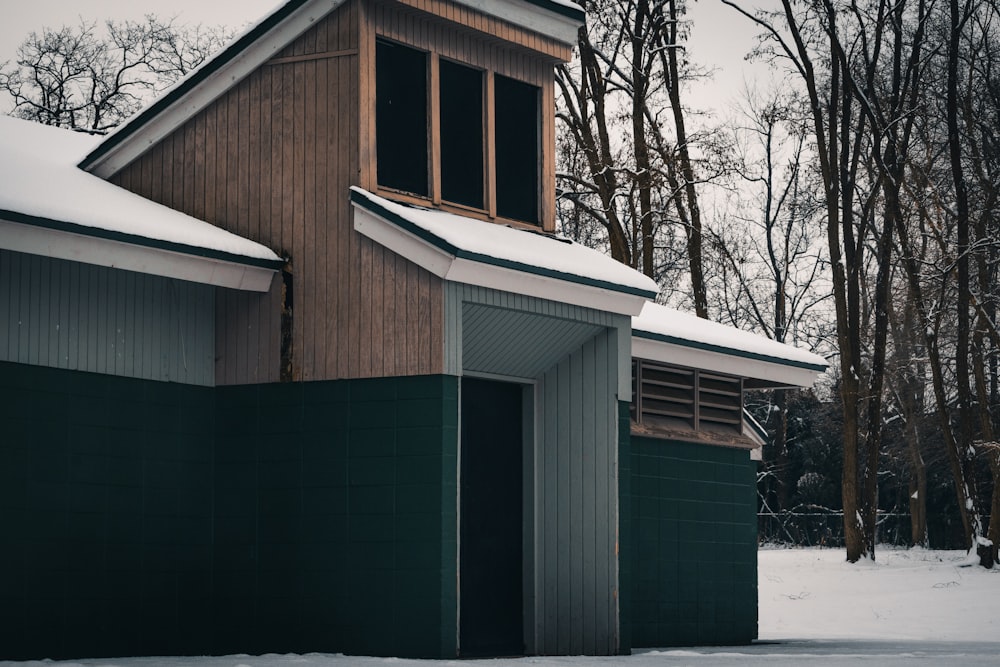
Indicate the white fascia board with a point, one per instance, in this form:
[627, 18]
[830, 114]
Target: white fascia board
[553, 289]
[401, 242]
[60, 244]
[729, 364]
[456, 269]
[214, 85]
[530, 16]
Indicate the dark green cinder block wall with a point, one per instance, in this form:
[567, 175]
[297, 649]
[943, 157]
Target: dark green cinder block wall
[152, 518]
[336, 517]
[693, 529]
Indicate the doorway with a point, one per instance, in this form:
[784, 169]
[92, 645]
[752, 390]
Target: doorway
[491, 524]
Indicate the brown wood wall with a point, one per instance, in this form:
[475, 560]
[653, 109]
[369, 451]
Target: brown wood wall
[273, 160]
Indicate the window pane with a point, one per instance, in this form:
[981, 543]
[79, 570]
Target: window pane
[401, 117]
[516, 109]
[461, 134]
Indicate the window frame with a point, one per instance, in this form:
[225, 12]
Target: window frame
[433, 96]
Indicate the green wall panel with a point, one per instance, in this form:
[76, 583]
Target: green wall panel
[693, 545]
[160, 519]
[107, 514]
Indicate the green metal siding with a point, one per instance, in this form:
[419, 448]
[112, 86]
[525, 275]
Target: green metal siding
[578, 360]
[157, 518]
[576, 573]
[625, 551]
[694, 544]
[64, 314]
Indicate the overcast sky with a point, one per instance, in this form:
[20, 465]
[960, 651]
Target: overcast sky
[719, 39]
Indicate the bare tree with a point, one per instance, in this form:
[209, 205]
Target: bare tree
[92, 79]
[628, 161]
[768, 248]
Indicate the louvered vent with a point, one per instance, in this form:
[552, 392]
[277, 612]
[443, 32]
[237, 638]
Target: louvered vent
[675, 398]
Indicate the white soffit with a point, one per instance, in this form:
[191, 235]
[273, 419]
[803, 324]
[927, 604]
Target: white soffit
[47, 242]
[531, 16]
[449, 266]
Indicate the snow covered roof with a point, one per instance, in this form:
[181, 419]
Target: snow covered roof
[558, 19]
[482, 253]
[49, 206]
[671, 336]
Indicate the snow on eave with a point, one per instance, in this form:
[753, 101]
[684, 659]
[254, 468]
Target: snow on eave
[473, 251]
[669, 335]
[47, 200]
[559, 19]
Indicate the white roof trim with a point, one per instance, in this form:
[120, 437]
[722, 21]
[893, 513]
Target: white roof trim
[729, 364]
[205, 92]
[61, 244]
[461, 270]
[530, 16]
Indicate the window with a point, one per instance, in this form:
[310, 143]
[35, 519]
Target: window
[507, 187]
[401, 117]
[675, 399]
[461, 98]
[517, 119]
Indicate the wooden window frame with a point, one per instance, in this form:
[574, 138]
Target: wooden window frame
[434, 130]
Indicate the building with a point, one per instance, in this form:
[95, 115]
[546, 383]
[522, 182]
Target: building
[294, 361]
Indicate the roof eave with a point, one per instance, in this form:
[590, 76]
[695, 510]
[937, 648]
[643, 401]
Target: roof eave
[769, 372]
[77, 243]
[552, 19]
[447, 263]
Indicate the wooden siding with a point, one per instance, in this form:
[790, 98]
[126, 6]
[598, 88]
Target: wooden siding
[83, 317]
[576, 504]
[248, 335]
[272, 160]
[466, 45]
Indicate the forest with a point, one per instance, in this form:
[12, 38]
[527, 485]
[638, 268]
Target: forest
[852, 210]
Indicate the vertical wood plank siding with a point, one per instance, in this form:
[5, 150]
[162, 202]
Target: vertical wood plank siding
[83, 317]
[273, 159]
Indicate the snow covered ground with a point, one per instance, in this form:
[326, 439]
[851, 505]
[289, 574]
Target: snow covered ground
[910, 607]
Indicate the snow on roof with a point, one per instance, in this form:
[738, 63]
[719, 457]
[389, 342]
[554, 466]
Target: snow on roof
[667, 325]
[509, 247]
[42, 184]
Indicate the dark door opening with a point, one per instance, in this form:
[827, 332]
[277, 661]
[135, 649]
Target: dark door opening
[491, 604]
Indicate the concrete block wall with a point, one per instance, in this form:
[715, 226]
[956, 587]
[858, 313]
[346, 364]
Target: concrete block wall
[694, 544]
[150, 518]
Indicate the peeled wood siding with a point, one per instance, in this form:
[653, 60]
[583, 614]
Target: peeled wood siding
[272, 160]
[83, 317]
